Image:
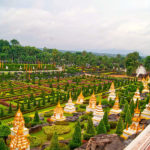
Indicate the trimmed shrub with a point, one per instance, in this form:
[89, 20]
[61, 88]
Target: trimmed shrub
[113, 124]
[34, 141]
[90, 131]
[48, 114]
[83, 106]
[61, 123]
[60, 129]
[101, 128]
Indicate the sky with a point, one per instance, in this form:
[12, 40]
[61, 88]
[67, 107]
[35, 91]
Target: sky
[95, 25]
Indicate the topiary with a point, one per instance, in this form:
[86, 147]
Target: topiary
[61, 123]
[76, 139]
[113, 124]
[120, 127]
[105, 119]
[54, 142]
[60, 129]
[101, 128]
[48, 114]
[90, 131]
[34, 141]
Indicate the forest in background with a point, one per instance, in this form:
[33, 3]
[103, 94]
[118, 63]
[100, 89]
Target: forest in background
[13, 52]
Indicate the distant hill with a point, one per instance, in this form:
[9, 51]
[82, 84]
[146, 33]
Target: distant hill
[110, 52]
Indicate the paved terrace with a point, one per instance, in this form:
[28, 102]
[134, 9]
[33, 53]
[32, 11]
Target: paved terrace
[141, 142]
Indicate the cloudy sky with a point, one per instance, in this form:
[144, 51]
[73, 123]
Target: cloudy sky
[78, 24]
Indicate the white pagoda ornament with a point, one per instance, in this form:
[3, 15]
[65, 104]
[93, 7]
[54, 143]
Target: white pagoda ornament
[144, 81]
[148, 79]
[58, 113]
[146, 89]
[146, 112]
[80, 98]
[19, 141]
[19, 121]
[92, 104]
[116, 108]
[112, 94]
[20, 68]
[19, 133]
[136, 96]
[98, 113]
[135, 126]
[140, 70]
[70, 106]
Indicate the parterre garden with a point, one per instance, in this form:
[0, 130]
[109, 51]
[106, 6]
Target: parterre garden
[41, 94]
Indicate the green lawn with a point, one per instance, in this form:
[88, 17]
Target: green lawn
[2, 106]
[67, 136]
[112, 131]
[41, 135]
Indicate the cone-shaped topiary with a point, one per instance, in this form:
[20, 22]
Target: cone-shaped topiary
[125, 107]
[54, 142]
[101, 128]
[105, 119]
[76, 140]
[36, 117]
[2, 112]
[90, 131]
[120, 127]
[132, 107]
[128, 118]
[10, 109]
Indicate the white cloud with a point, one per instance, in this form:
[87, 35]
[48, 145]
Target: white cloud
[78, 24]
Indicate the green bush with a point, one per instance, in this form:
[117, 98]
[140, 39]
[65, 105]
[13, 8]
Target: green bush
[73, 145]
[86, 102]
[80, 110]
[35, 141]
[82, 125]
[48, 114]
[34, 123]
[60, 129]
[63, 146]
[105, 102]
[84, 117]
[113, 124]
[83, 106]
[122, 114]
[87, 136]
[61, 123]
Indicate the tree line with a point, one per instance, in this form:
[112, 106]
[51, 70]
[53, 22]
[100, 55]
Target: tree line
[13, 52]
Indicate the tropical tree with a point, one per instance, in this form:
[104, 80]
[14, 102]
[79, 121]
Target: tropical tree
[147, 63]
[14, 42]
